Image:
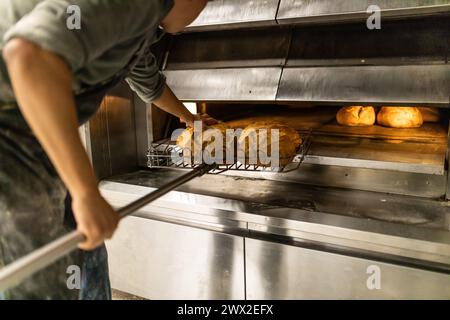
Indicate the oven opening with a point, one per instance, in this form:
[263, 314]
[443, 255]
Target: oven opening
[420, 150]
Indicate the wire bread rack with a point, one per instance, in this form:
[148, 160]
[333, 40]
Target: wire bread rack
[167, 154]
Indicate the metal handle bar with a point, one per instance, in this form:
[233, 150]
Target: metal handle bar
[26, 266]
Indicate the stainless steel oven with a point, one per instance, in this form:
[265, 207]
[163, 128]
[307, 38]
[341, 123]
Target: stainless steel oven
[365, 213]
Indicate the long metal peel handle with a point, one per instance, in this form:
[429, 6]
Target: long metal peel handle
[23, 268]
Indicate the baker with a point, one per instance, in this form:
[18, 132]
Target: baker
[52, 79]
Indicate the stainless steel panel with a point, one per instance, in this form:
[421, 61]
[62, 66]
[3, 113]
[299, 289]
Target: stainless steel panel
[110, 134]
[448, 163]
[417, 169]
[374, 164]
[448, 188]
[352, 242]
[385, 181]
[143, 128]
[375, 222]
[96, 134]
[275, 271]
[157, 260]
[246, 84]
[309, 11]
[185, 212]
[223, 49]
[84, 136]
[390, 85]
[224, 14]
[408, 42]
[426, 158]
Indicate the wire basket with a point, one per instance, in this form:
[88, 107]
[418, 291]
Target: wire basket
[161, 155]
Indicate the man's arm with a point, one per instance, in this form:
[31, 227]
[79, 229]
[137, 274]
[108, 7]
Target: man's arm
[170, 103]
[42, 83]
[150, 85]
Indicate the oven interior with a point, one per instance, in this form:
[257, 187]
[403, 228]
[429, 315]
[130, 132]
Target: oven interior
[302, 75]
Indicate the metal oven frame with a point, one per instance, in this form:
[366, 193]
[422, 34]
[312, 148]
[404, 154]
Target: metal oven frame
[318, 232]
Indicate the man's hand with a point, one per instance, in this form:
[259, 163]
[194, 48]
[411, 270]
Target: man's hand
[204, 118]
[95, 219]
[170, 103]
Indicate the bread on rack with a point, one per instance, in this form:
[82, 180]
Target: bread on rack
[430, 114]
[400, 117]
[356, 116]
[186, 141]
[261, 132]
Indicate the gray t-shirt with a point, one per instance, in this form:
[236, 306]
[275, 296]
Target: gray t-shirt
[112, 32]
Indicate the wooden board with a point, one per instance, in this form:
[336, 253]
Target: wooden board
[300, 119]
[429, 132]
[322, 121]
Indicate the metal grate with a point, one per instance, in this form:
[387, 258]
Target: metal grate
[160, 155]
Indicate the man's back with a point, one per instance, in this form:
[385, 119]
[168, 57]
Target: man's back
[110, 35]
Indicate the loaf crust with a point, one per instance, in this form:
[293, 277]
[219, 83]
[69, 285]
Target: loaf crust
[186, 141]
[400, 117]
[430, 114]
[289, 141]
[356, 116]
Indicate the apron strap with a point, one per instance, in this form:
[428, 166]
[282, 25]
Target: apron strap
[4, 70]
[5, 84]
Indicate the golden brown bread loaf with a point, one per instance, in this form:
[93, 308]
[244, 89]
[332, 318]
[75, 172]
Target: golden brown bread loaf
[400, 117]
[289, 142]
[284, 129]
[186, 140]
[430, 114]
[356, 116]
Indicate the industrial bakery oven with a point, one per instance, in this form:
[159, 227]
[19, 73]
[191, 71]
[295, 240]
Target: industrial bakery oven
[365, 212]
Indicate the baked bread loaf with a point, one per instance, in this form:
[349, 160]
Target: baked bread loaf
[356, 116]
[400, 117]
[186, 141]
[284, 128]
[289, 142]
[430, 114]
